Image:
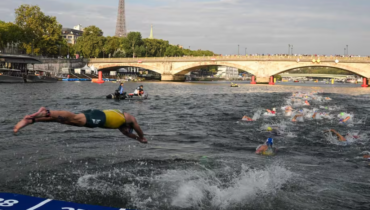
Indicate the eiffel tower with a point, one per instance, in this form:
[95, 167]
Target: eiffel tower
[121, 20]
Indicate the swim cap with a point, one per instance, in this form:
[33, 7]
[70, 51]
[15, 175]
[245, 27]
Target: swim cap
[269, 129]
[342, 113]
[269, 141]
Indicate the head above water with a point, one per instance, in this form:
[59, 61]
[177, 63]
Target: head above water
[269, 129]
[274, 109]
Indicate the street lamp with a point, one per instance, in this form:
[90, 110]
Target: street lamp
[292, 49]
[347, 50]
[246, 51]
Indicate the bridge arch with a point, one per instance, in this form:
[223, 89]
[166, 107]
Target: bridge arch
[106, 66]
[344, 67]
[194, 66]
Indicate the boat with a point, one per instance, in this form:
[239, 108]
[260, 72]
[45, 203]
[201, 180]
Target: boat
[39, 77]
[296, 80]
[124, 96]
[11, 76]
[234, 85]
[13, 69]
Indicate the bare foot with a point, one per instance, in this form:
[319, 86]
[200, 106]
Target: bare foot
[41, 113]
[23, 123]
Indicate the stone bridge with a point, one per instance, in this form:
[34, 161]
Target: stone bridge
[262, 67]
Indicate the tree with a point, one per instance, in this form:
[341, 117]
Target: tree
[91, 43]
[10, 34]
[111, 45]
[173, 51]
[155, 47]
[42, 33]
[133, 44]
[189, 52]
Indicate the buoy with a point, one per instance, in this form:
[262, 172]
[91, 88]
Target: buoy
[99, 80]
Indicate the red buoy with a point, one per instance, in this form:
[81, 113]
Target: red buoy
[100, 79]
[271, 80]
[364, 83]
[253, 82]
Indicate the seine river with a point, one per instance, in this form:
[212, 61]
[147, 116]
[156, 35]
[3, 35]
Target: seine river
[199, 156]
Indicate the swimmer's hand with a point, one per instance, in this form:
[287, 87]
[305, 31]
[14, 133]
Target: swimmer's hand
[142, 140]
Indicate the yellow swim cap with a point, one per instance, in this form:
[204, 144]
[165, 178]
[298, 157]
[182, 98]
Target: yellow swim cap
[269, 129]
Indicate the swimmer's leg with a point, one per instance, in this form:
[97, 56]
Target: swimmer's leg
[44, 115]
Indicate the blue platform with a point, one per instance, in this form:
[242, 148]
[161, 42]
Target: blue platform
[11, 201]
[75, 79]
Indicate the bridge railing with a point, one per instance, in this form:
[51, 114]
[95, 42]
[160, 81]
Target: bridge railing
[234, 58]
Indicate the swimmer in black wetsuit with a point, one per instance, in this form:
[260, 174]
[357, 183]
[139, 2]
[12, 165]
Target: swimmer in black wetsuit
[108, 119]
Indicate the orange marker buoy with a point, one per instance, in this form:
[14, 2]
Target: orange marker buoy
[99, 80]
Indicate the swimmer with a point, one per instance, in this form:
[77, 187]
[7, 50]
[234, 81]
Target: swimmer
[267, 148]
[108, 119]
[340, 137]
[272, 112]
[306, 102]
[274, 130]
[327, 98]
[314, 115]
[344, 120]
[288, 109]
[246, 118]
[294, 119]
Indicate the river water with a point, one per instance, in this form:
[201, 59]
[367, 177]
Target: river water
[199, 156]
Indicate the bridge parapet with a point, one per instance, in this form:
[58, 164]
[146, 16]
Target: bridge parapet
[234, 58]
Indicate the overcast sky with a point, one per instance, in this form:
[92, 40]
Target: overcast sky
[263, 26]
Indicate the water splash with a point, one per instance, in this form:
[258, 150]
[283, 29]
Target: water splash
[199, 189]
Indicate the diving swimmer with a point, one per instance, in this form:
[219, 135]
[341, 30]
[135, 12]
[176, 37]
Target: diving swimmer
[267, 148]
[108, 119]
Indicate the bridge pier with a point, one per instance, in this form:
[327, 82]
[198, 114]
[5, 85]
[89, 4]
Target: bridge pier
[169, 77]
[263, 80]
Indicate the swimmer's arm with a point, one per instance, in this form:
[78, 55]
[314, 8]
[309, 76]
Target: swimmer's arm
[125, 131]
[338, 135]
